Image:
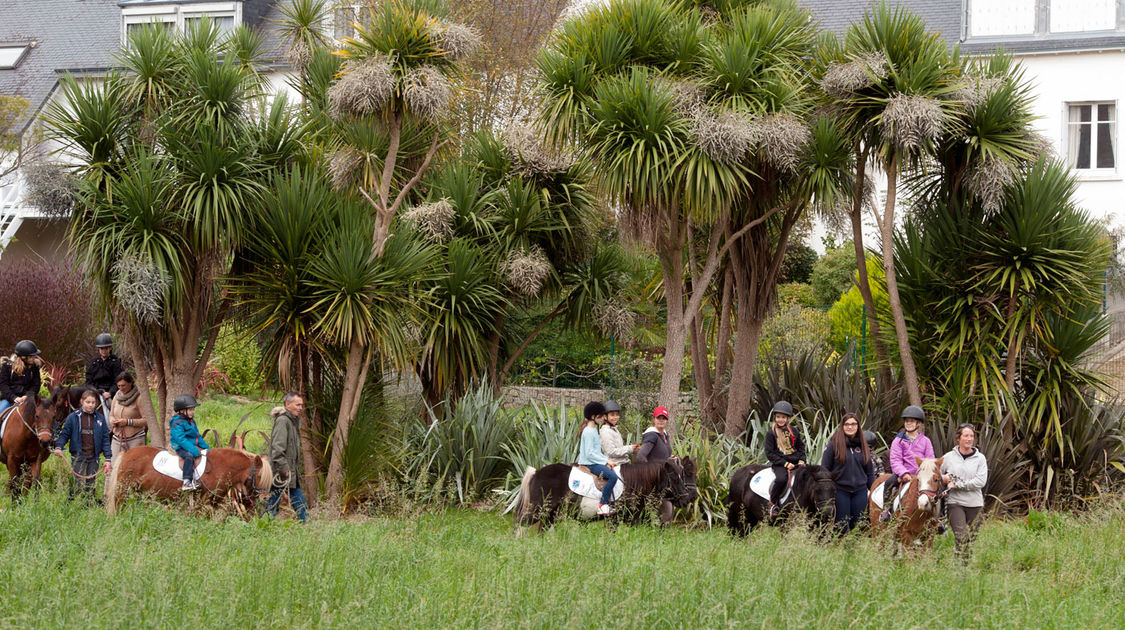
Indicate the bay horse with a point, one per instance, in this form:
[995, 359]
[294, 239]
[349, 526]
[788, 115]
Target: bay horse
[917, 515]
[233, 475]
[26, 442]
[814, 494]
[546, 491]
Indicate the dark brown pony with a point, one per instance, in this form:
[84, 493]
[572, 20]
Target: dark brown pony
[544, 492]
[917, 515]
[814, 494]
[26, 443]
[232, 475]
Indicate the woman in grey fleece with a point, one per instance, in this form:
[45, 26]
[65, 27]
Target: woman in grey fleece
[965, 472]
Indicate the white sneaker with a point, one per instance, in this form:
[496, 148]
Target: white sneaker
[605, 509]
[188, 486]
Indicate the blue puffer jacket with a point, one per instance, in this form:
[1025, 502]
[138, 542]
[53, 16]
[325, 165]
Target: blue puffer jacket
[185, 435]
[72, 433]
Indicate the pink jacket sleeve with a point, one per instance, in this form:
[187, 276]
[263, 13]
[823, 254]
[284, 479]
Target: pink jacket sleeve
[898, 457]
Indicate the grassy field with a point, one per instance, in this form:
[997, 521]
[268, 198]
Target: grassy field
[151, 566]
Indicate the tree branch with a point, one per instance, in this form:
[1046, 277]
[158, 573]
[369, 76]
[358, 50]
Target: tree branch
[434, 147]
[527, 341]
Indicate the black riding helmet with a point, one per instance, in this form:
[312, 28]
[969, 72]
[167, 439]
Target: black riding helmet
[915, 412]
[187, 401]
[782, 407]
[27, 348]
[103, 340]
[593, 408]
[871, 438]
[611, 405]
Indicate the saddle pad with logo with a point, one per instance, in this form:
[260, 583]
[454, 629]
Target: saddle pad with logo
[582, 484]
[170, 464]
[877, 496]
[760, 485]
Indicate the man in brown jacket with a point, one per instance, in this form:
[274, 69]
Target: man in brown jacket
[285, 456]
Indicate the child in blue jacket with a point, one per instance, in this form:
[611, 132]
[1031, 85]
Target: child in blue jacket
[87, 434]
[186, 440]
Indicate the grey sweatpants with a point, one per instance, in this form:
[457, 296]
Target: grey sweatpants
[963, 521]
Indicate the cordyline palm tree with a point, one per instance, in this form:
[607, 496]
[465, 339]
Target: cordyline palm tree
[173, 166]
[896, 94]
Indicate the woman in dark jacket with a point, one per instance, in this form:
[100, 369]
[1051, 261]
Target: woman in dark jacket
[784, 449]
[656, 444]
[19, 374]
[849, 458]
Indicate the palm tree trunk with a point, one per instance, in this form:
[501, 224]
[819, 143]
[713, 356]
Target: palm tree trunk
[348, 403]
[672, 264]
[701, 369]
[862, 281]
[1013, 348]
[909, 371]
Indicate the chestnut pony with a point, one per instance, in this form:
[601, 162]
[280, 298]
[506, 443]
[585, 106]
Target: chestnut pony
[26, 442]
[918, 513]
[232, 475]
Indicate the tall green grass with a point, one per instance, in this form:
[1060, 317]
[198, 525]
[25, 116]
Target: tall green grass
[154, 567]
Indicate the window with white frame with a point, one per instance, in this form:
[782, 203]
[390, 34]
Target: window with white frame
[1069, 16]
[226, 15]
[1092, 136]
[12, 54]
[1001, 17]
[344, 17]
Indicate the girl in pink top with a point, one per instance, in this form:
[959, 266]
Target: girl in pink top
[908, 444]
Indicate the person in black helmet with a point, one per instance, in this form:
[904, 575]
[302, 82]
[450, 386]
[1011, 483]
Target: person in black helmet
[784, 449]
[102, 371]
[186, 439]
[881, 466]
[590, 454]
[19, 374]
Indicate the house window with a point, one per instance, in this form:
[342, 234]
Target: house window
[1092, 136]
[1001, 17]
[135, 23]
[1069, 16]
[11, 55]
[225, 23]
[344, 16]
[226, 15]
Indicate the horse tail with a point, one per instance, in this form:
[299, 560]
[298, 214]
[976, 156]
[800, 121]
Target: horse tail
[523, 499]
[111, 488]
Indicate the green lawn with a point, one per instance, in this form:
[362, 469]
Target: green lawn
[150, 566]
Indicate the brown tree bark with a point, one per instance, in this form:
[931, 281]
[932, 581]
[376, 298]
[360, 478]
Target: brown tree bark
[882, 357]
[887, 227]
[348, 402]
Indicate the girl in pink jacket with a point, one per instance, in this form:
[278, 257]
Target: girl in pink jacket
[908, 444]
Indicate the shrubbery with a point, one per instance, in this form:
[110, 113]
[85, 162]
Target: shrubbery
[48, 303]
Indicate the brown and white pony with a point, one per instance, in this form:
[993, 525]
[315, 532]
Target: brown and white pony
[917, 515]
[232, 475]
[26, 443]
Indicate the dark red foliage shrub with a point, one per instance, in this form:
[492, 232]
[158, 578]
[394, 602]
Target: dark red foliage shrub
[48, 303]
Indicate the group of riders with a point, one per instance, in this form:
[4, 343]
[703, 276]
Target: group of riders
[850, 455]
[108, 422]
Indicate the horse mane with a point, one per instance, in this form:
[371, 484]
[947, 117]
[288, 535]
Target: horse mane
[642, 474]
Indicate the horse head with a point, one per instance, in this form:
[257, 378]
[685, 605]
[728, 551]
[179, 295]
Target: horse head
[43, 416]
[59, 404]
[815, 488]
[929, 483]
[689, 471]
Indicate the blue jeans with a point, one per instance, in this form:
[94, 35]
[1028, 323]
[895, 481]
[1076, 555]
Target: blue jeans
[605, 472]
[296, 497]
[4, 404]
[189, 464]
[850, 506]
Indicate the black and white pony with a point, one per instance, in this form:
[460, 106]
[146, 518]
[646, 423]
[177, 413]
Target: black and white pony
[544, 492]
[813, 493]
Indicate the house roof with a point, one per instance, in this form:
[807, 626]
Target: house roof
[80, 36]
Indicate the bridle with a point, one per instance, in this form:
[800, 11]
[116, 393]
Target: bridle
[17, 410]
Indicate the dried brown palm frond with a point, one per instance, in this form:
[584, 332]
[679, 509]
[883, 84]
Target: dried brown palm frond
[612, 318]
[433, 219]
[298, 55]
[725, 136]
[51, 188]
[139, 287]
[427, 92]
[844, 79]
[912, 120]
[526, 270]
[780, 139]
[987, 180]
[345, 167]
[365, 88]
[974, 91]
[457, 39]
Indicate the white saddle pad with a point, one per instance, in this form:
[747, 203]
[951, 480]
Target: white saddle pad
[877, 496]
[760, 485]
[170, 464]
[582, 484]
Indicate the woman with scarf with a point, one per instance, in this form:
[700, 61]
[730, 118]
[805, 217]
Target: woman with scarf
[125, 419]
[784, 449]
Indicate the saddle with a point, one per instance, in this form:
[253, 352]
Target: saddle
[172, 465]
[877, 496]
[763, 480]
[584, 483]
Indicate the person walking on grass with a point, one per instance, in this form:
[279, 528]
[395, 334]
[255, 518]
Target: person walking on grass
[285, 456]
[848, 458]
[591, 456]
[613, 445]
[911, 442]
[965, 473]
[87, 434]
[186, 439]
[125, 420]
[656, 443]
